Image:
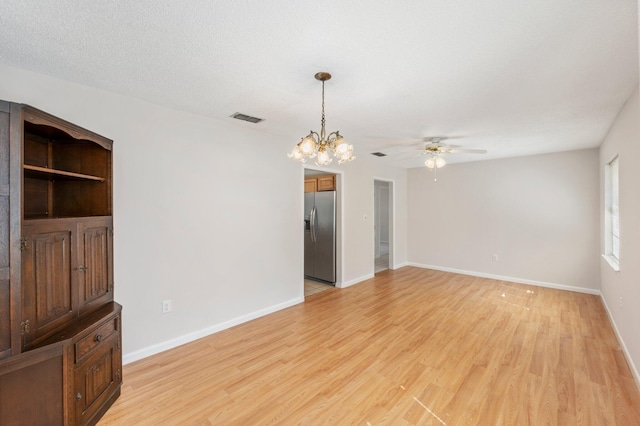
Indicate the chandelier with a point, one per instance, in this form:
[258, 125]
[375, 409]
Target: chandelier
[319, 146]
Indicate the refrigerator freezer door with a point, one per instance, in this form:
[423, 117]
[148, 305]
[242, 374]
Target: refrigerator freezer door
[309, 202]
[325, 236]
[309, 245]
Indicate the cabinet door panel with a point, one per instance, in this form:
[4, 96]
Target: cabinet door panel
[326, 183]
[46, 279]
[31, 386]
[96, 252]
[97, 379]
[310, 185]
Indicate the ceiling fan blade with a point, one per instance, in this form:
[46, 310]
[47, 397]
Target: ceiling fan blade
[402, 149]
[464, 151]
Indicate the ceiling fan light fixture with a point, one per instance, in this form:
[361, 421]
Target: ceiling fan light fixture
[319, 145]
[430, 163]
[435, 161]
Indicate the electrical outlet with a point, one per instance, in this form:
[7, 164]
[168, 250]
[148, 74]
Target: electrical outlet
[495, 257]
[620, 302]
[166, 306]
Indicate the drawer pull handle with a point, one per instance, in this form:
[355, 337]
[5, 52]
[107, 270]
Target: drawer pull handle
[98, 338]
[78, 396]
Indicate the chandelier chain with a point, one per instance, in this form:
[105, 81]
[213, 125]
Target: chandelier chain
[322, 123]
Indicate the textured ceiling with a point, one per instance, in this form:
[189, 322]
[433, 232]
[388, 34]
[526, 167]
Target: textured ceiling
[515, 77]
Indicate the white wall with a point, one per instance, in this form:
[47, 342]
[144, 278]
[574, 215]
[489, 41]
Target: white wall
[539, 214]
[187, 193]
[358, 214]
[623, 140]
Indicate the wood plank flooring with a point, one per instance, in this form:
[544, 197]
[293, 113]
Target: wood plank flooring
[408, 347]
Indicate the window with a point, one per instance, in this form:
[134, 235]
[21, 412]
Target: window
[612, 215]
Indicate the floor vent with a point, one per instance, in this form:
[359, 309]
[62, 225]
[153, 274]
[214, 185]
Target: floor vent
[245, 117]
[379, 154]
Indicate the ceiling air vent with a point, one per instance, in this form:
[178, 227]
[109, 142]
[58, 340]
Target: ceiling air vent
[379, 154]
[245, 117]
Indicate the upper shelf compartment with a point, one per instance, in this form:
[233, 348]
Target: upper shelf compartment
[63, 155]
[67, 169]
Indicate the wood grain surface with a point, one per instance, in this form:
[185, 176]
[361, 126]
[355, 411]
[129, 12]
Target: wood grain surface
[408, 347]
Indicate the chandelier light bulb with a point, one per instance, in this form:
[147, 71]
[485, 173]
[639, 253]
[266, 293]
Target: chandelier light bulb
[308, 145]
[347, 156]
[323, 158]
[342, 147]
[296, 154]
[440, 162]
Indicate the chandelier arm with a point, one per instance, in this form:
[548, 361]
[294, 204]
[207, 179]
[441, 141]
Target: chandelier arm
[332, 135]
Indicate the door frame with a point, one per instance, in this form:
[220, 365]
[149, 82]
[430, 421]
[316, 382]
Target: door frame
[339, 219]
[392, 221]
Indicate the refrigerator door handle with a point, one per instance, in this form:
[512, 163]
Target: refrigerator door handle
[313, 224]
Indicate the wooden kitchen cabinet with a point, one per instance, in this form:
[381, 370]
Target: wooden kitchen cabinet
[58, 319]
[320, 183]
[327, 183]
[310, 185]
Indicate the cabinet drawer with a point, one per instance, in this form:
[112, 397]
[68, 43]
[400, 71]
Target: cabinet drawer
[85, 345]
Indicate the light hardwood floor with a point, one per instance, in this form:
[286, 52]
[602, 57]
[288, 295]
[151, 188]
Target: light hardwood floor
[410, 346]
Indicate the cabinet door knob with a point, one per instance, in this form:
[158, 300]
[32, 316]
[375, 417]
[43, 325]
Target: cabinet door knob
[98, 338]
[78, 396]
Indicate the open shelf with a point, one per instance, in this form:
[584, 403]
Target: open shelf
[47, 173]
[66, 170]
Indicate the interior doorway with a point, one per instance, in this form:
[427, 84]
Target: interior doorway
[322, 250]
[383, 225]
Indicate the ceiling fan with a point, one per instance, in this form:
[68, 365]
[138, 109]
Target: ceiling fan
[435, 148]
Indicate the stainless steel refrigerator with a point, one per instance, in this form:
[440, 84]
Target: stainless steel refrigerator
[320, 235]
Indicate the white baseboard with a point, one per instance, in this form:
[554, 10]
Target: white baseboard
[190, 337]
[627, 355]
[400, 265]
[355, 281]
[512, 279]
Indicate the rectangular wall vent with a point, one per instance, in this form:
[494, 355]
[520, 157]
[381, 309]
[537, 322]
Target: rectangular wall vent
[245, 117]
[379, 154]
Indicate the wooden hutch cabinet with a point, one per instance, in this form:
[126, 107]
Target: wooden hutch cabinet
[60, 329]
